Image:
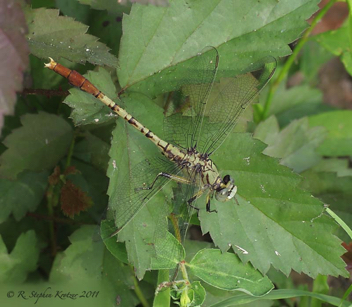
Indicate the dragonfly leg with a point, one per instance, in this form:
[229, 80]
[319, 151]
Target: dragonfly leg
[194, 197]
[208, 205]
[189, 203]
[166, 175]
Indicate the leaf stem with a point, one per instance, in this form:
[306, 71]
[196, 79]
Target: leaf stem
[283, 72]
[138, 292]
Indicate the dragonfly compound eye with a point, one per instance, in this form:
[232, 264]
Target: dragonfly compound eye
[226, 179]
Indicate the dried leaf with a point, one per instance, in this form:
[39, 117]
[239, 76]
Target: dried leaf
[73, 199]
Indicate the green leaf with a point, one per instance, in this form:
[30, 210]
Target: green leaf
[143, 234]
[88, 109]
[338, 42]
[272, 208]
[39, 144]
[108, 27]
[296, 144]
[162, 298]
[58, 36]
[267, 130]
[193, 29]
[333, 190]
[86, 264]
[320, 285]
[193, 246]
[74, 9]
[112, 7]
[339, 127]
[227, 272]
[169, 252]
[197, 293]
[21, 261]
[93, 150]
[22, 195]
[312, 58]
[285, 215]
[275, 295]
[217, 297]
[295, 103]
[94, 183]
[339, 166]
[117, 249]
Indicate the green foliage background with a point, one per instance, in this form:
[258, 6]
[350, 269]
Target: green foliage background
[293, 163]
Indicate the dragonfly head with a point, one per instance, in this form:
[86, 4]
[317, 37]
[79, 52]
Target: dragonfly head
[227, 189]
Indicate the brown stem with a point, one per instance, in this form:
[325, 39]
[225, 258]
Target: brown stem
[42, 92]
[55, 219]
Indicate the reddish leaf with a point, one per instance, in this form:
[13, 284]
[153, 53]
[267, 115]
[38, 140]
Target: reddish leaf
[13, 54]
[73, 199]
[152, 2]
[71, 170]
[347, 257]
[54, 178]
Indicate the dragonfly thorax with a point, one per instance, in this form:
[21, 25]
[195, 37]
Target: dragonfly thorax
[203, 167]
[199, 165]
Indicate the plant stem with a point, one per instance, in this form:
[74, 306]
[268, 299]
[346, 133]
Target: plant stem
[174, 222]
[283, 72]
[349, 3]
[70, 152]
[48, 93]
[340, 222]
[138, 292]
[50, 197]
[162, 298]
[56, 219]
[184, 271]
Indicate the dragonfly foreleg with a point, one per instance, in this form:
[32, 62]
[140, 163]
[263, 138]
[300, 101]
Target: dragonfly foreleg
[194, 197]
[166, 175]
[199, 194]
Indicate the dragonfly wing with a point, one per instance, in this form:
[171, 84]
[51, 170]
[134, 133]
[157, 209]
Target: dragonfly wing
[201, 71]
[183, 211]
[137, 189]
[229, 99]
[185, 203]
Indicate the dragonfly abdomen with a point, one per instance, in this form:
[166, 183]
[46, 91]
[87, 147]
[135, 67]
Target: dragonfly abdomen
[76, 79]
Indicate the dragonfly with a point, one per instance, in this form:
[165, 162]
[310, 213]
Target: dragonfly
[190, 138]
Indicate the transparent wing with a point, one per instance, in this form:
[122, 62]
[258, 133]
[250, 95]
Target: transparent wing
[201, 71]
[183, 211]
[228, 100]
[132, 192]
